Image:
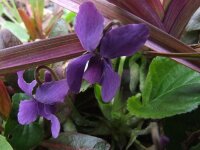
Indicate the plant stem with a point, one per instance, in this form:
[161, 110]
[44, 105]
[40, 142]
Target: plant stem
[121, 65]
[139, 145]
[174, 55]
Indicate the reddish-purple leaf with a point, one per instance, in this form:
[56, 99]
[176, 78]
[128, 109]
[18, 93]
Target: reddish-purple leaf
[158, 7]
[118, 3]
[183, 18]
[62, 48]
[142, 9]
[173, 11]
[158, 41]
[178, 15]
[38, 53]
[166, 4]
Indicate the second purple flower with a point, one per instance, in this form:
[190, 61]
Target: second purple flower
[42, 103]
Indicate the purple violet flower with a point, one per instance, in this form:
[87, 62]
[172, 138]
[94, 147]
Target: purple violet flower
[42, 103]
[121, 41]
[164, 140]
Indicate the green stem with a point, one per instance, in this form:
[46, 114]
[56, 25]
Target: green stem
[139, 145]
[120, 71]
[121, 65]
[37, 74]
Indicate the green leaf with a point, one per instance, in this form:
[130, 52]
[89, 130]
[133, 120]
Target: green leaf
[59, 29]
[37, 7]
[69, 140]
[135, 69]
[118, 104]
[170, 89]
[197, 147]
[69, 126]
[84, 86]
[17, 30]
[143, 73]
[194, 23]
[106, 108]
[12, 9]
[22, 137]
[134, 76]
[7, 14]
[16, 98]
[1, 9]
[191, 37]
[4, 144]
[69, 16]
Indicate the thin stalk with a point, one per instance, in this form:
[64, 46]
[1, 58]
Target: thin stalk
[174, 55]
[120, 72]
[121, 65]
[139, 145]
[37, 74]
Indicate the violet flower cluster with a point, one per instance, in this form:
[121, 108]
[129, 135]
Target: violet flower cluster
[121, 41]
[101, 48]
[42, 103]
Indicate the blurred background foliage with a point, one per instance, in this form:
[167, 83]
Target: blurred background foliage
[146, 114]
[30, 20]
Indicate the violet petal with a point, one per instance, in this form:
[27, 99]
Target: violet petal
[47, 112]
[94, 71]
[26, 87]
[124, 41]
[51, 92]
[28, 111]
[55, 124]
[89, 26]
[110, 83]
[164, 140]
[47, 76]
[49, 109]
[74, 72]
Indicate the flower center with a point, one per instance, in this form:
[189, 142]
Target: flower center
[108, 27]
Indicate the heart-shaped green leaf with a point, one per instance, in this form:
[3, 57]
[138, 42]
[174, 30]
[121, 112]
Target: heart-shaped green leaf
[170, 89]
[4, 144]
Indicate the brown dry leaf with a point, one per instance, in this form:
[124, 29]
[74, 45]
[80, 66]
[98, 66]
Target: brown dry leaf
[5, 101]
[7, 39]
